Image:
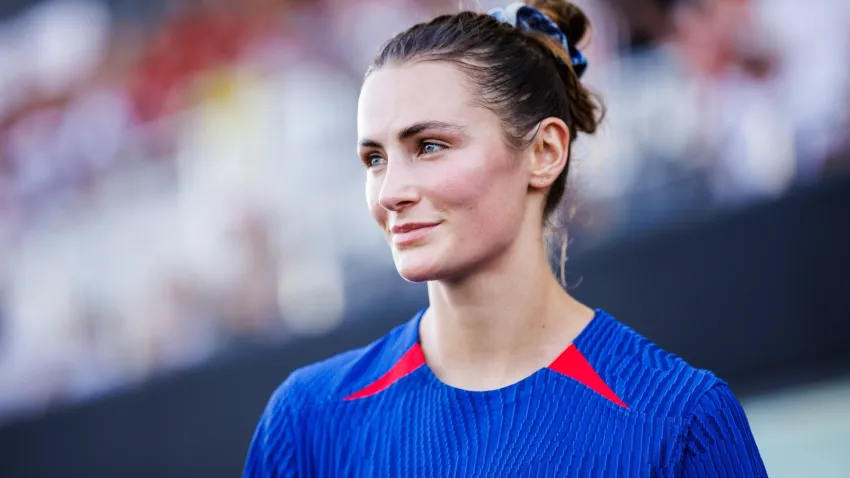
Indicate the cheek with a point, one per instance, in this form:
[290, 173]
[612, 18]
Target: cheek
[373, 191]
[462, 191]
[482, 200]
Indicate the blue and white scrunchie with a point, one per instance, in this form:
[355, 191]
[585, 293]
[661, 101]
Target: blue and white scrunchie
[527, 18]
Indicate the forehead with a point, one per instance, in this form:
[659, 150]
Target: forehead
[397, 96]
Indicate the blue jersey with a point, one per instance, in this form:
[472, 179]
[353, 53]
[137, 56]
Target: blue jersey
[613, 404]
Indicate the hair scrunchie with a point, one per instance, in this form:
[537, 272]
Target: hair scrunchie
[527, 18]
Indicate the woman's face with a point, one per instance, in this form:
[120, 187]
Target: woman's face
[441, 182]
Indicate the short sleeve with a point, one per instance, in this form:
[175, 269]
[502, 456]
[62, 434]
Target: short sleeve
[718, 441]
[272, 453]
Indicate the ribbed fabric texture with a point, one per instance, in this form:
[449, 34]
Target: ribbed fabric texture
[677, 421]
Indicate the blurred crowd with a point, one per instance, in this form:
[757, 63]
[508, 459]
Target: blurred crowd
[178, 178]
[712, 104]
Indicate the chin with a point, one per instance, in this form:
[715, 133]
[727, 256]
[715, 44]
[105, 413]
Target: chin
[417, 265]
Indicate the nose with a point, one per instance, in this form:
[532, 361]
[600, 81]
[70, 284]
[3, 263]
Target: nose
[399, 189]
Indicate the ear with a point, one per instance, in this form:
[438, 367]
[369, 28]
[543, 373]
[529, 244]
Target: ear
[549, 151]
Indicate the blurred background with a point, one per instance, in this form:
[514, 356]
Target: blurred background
[183, 223]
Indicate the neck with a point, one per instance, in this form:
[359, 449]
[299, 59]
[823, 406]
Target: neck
[501, 323]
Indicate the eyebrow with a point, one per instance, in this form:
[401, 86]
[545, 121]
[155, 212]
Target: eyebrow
[413, 130]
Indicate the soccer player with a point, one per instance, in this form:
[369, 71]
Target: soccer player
[465, 125]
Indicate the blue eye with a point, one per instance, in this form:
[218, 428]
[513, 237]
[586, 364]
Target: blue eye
[430, 148]
[374, 161]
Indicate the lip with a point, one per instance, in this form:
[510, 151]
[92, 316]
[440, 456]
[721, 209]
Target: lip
[409, 233]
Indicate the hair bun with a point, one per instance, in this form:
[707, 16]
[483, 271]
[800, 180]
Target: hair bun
[568, 16]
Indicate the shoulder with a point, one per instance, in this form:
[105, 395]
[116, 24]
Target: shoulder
[713, 434]
[333, 379]
[716, 439]
[292, 408]
[649, 379]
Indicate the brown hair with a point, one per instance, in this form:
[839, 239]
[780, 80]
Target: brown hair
[521, 76]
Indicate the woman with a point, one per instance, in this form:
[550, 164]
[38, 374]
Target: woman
[465, 127]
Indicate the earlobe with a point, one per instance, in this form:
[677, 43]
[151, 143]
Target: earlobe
[549, 152]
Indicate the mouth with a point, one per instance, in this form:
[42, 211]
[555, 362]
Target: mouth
[412, 232]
